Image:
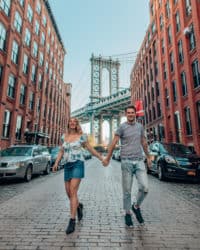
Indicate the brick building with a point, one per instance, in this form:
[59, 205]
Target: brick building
[34, 100]
[166, 75]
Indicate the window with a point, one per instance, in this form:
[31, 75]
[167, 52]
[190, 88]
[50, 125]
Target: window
[41, 60]
[180, 51]
[22, 94]
[169, 30]
[188, 121]
[192, 40]
[11, 86]
[1, 73]
[29, 13]
[167, 9]
[38, 106]
[164, 71]
[163, 46]
[2, 37]
[31, 101]
[18, 22]
[49, 31]
[174, 91]
[198, 112]
[184, 83]
[44, 20]
[167, 97]
[6, 124]
[153, 27]
[178, 24]
[37, 27]
[188, 7]
[5, 6]
[25, 64]
[40, 79]
[171, 57]
[35, 49]
[157, 89]
[152, 10]
[27, 39]
[43, 38]
[21, 2]
[18, 131]
[38, 7]
[46, 67]
[159, 109]
[33, 73]
[195, 73]
[15, 52]
[48, 48]
[177, 123]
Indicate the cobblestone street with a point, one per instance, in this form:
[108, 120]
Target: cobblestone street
[37, 215]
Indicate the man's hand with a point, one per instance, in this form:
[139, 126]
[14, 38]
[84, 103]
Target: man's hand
[55, 167]
[149, 161]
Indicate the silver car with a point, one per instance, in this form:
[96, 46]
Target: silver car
[23, 161]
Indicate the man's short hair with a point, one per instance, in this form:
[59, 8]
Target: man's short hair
[130, 107]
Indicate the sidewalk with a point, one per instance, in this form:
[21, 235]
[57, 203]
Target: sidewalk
[37, 218]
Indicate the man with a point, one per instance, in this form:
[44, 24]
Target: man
[131, 135]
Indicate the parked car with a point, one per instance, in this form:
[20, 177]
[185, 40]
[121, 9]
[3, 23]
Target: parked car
[174, 160]
[54, 153]
[86, 154]
[116, 155]
[23, 161]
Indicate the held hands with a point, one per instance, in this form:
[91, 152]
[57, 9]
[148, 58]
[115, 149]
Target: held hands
[105, 162]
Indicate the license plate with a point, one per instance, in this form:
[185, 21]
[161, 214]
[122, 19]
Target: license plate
[191, 173]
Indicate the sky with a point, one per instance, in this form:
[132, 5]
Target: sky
[113, 28]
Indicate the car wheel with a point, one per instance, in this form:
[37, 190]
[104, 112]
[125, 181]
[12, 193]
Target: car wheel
[28, 174]
[48, 169]
[161, 175]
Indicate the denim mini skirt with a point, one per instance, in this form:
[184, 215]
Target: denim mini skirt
[74, 170]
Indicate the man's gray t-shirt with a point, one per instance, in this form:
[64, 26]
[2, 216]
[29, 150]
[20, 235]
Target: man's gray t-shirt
[130, 136]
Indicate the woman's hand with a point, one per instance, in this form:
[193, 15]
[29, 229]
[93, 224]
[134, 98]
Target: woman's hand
[55, 167]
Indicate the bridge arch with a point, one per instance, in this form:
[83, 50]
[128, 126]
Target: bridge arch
[97, 66]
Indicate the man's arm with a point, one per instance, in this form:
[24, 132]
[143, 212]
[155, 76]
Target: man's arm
[146, 151]
[110, 150]
[145, 145]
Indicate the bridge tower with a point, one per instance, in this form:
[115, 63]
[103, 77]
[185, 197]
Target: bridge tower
[97, 66]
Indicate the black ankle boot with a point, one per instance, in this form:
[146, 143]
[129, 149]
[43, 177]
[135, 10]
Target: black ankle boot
[80, 211]
[71, 226]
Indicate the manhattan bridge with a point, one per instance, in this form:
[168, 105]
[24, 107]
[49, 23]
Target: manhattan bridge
[111, 107]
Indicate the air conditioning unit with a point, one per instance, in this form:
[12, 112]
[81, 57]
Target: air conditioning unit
[187, 31]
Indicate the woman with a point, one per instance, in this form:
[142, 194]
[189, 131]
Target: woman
[71, 150]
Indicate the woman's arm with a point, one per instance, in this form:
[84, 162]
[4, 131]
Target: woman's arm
[93, 151]
[58, 159]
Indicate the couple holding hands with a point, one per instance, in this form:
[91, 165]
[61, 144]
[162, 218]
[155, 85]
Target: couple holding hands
[133, 143]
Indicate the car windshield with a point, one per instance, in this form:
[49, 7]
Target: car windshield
[54, 150]
[17, 151]
[177, 149]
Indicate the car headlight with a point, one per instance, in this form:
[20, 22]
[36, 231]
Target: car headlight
[17, 164]
[170, 159]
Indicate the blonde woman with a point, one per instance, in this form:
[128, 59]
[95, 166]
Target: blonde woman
[71, 150]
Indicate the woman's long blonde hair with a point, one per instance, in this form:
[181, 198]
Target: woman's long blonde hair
[78, 127]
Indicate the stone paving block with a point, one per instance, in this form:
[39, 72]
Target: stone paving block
[37, 217]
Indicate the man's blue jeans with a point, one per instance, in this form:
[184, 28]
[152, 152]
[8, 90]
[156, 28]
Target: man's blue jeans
[129, 169]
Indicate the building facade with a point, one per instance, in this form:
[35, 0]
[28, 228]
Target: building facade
[166, 75]
[33, 95]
